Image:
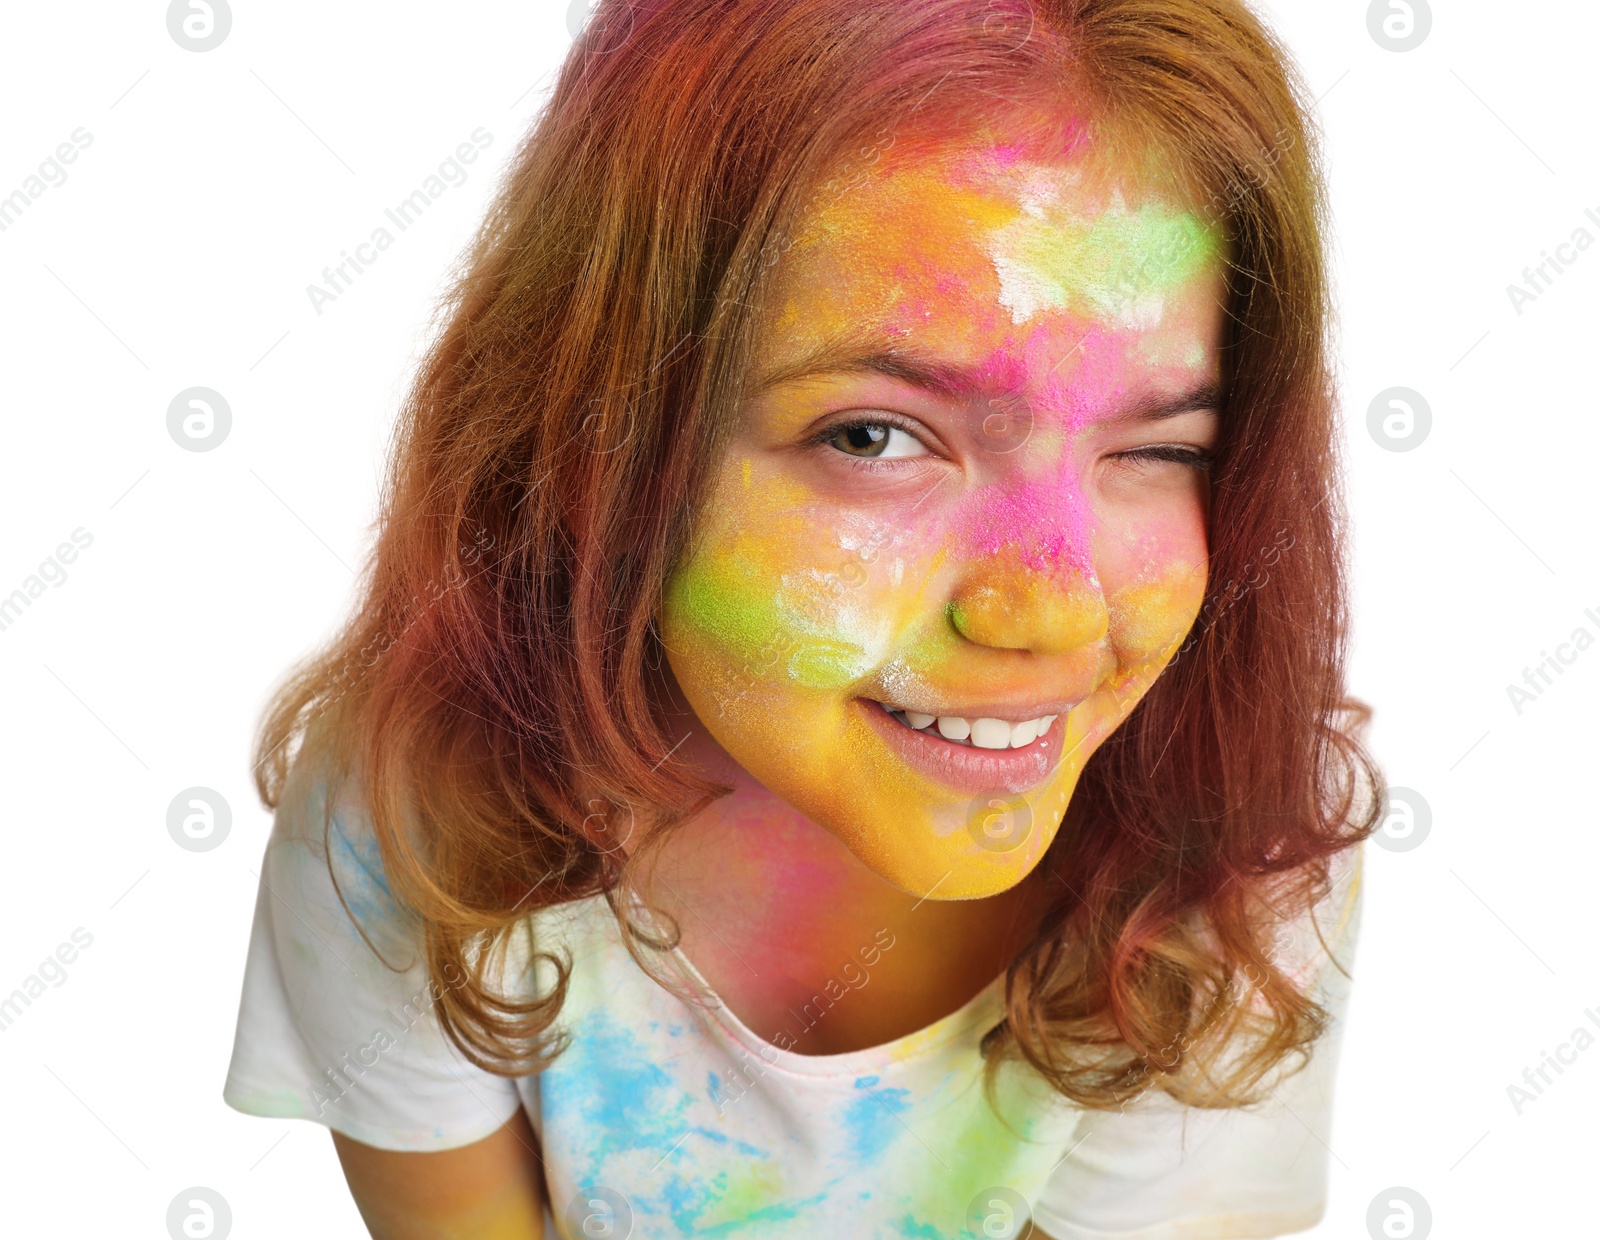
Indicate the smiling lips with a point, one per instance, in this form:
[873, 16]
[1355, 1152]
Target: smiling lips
[983, 732]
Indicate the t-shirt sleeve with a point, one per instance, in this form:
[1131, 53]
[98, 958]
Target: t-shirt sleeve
[1159, 1170]
[327, 1031]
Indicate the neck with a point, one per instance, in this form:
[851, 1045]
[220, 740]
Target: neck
[771, 907]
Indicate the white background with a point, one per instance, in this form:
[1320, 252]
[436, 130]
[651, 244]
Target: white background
[177, 253]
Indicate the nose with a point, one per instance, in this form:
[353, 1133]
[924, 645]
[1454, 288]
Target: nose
[1008, 601]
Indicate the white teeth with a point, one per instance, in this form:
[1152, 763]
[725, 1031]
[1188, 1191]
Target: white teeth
[982, 733]
[991, 734]
[1024, 733]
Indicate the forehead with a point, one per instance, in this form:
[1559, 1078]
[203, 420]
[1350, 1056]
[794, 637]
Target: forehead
[967, 249]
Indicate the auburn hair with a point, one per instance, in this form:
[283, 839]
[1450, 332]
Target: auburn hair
[496, 689]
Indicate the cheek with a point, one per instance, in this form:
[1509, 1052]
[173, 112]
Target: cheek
[1155, 587]
[784, 596]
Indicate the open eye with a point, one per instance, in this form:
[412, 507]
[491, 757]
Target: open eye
[873, 440]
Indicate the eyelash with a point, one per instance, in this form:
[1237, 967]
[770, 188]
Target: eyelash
[821, 438]
[1177, 454]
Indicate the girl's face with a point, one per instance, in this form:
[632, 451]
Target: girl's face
[962, 524]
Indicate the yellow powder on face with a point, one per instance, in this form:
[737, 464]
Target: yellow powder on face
[886, 249]
[1017, 608]
[798, 600]
[1148, 617]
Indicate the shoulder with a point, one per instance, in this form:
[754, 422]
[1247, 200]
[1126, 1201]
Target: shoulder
[1314, 939]
[337, 1019]
[1164, 1170]
[323, 860]
[324, 851]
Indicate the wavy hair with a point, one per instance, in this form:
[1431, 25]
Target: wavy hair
[496, 690]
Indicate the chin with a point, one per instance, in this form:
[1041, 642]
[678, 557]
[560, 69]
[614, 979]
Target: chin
[964, 852]
[969, 878]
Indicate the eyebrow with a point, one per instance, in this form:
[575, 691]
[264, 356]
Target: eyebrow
[962, 383]
[940, 378]
[1207, 398]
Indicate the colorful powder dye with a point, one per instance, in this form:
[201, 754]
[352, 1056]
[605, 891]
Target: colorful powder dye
[1116, 266]
[1014, 576]
[708, 1131]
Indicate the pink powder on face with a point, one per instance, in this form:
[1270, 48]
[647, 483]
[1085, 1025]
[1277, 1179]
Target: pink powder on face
[1004, 371]
[1084, 381]
[1045, 522]
[1051, 134]
[918, 310]
[1063, 383]
[1067, 377]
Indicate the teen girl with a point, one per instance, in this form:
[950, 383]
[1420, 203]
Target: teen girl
[877, 764]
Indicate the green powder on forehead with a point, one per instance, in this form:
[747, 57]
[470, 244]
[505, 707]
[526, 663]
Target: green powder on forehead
[1115, 266]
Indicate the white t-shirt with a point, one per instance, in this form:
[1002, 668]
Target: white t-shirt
[668, 1118]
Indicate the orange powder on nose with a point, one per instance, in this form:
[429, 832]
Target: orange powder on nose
[1018, 610]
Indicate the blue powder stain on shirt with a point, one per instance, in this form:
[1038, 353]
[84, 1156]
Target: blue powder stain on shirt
[870, 1121]
[606, 1087]
[908, 1226]
[358, 865]
[612, 1091]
